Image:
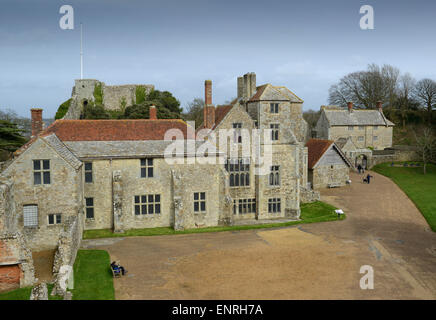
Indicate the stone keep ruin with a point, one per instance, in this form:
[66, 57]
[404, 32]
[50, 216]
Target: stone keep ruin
[97, 92]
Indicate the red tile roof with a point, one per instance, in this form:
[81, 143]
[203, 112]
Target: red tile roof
[221, 112]
[316, 149]
[114, 130]
[259, 92]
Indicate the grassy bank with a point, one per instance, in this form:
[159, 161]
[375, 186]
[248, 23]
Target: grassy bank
[419, 187]
[92, 276]
[310, 212]
[92, 279]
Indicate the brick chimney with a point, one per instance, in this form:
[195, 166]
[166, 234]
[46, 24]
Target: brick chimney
[36, 115]
[209, 109]
[350, 106]
[153, 113]
[379, 106]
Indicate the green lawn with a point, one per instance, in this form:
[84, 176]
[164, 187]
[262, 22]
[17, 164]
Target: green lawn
[93, 276]
[92, 279]
[420, 188]
[310, 212]
[24, 294]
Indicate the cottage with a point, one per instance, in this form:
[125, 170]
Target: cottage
[366, 128]
[328, 166]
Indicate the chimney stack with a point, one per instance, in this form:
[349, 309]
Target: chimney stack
[209, 109]
[153, 113]
[36, 115]
[380, 106]
[350, 106]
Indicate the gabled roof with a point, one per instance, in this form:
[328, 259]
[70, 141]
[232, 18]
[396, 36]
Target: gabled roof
[318, 147]
[220, 113]
[53, 141]
[269, 92]
[114, 130]
[343, 117]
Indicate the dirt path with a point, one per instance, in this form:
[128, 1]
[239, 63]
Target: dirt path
[383, 229]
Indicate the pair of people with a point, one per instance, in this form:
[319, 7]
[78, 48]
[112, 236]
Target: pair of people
[115, 265]
[368, 178]
[360, 169]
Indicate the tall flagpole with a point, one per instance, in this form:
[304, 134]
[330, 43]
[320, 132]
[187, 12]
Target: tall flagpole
[81, 51]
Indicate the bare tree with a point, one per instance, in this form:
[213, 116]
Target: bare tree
[405, 99]
[365, 88]
[425, 93]
[426, 144]
[195, 111]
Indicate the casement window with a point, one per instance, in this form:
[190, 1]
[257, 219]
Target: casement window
[360, 138]
[350, 128]
[274, 205]
[89, 205]
[147, 168]
[274, 176]
[237, 134]
[41, 171]
[361, 127]
[375, 138]
[30, 215]
[54, 219]
[274, 131]
[274, 107]
[244, 206]
[147, 204]
[199, 201]
[88, 172]
[375, 127]
[239, 172]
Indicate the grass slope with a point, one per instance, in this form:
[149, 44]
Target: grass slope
[92, 276]
[420, 188]
[310, 212]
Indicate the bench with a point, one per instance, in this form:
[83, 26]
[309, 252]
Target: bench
[334, 185]
[116, 273]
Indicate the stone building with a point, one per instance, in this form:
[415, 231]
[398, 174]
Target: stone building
[327, 164]
[276, 194]
[366, 128]
[115, 174]
[113, 97]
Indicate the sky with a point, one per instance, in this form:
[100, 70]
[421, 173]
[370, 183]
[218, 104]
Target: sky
[177, 44]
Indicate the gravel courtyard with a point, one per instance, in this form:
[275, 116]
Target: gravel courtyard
[383, 229]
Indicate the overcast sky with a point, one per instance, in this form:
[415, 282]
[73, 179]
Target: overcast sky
[177, 44]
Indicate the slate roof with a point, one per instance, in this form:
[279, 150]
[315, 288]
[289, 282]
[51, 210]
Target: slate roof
[114, 130]
[342, 117]
[62, 150]
[126, 149]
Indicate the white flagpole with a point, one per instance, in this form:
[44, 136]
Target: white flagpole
[81, 51]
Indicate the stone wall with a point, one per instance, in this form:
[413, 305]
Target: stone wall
[68, 245]
[16, 263]
[323, 176]
[113, 96]
[368, 135]
[62, 196]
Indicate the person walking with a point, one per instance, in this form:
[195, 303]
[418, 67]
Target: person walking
[359, 168]
[368, 178]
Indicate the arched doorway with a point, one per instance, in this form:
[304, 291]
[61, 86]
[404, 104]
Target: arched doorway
[362, 160]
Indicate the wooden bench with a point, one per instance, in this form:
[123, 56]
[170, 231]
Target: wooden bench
[116, 273]
[334, 185]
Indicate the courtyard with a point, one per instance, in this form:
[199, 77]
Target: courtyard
[383, 229]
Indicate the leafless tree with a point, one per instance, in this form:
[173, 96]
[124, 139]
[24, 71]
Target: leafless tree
[195, 111]
[405, 98]
[365, 88]
[425, 93]
[426, 146]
